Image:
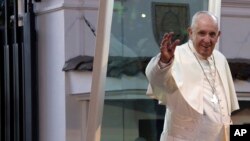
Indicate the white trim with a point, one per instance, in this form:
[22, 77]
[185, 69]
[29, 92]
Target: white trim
[62, 6]
[232, 8]
[91, 4]
[115, 95]
[236, 3]
[99, 70]
[215, 7]
[85, 107]
[243, 96]
[235, 12]
[82, 96]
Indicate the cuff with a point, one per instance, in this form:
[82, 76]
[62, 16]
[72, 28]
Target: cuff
[163, 65]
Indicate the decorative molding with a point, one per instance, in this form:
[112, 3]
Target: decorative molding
[82, 96]
[91, 5]
[126, 94]
[243, 96]
[78, 82]
[40, 10]
[236, 3]
[232, 8]
[242, 12]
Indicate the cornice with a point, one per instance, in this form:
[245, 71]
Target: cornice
[236, 3]
[44, 9]
[235, 8]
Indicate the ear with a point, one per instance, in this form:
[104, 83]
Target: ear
[190, 32]
[219, 33]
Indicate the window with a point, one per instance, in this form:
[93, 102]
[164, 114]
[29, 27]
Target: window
[128, 114]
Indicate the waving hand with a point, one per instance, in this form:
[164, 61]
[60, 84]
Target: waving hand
[168, 47]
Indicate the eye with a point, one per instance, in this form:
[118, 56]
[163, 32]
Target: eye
[212, 34]
[202, 33]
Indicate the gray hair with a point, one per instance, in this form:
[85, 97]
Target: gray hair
[197, 14]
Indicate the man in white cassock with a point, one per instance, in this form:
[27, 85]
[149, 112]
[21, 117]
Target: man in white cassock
[194, 82]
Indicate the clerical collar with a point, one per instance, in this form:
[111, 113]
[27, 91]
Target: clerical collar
[190, 42]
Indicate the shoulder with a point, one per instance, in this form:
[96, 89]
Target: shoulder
[183, 52]
[182, 48]
[218, 55]
[221, 60]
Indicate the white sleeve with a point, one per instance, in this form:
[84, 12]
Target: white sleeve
[161, 81]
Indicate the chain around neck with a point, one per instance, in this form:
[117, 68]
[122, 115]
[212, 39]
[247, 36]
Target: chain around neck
[210, 83]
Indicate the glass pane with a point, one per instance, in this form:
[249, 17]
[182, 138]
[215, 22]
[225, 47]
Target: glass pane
[137, 28]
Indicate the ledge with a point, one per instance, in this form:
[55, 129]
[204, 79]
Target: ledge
[236, 3]
[78, 82]
[243, 96]
[235, 8]
[41, 8]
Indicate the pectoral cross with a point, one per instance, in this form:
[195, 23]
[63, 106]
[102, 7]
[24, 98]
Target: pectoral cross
[214, 99]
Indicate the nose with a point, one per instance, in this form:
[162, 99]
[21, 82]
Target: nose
[207, 39]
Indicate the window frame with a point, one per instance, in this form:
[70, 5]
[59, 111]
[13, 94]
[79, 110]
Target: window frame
[100, 65]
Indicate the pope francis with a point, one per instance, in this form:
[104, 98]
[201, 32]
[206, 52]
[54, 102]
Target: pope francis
[194, 82]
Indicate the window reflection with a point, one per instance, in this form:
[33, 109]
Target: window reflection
[129, 115]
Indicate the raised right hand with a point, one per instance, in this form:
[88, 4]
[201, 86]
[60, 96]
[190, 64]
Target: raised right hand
[168, 47]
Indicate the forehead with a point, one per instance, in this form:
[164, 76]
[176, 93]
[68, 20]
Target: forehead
[206, 23]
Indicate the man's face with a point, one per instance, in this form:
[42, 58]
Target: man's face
[204, 35]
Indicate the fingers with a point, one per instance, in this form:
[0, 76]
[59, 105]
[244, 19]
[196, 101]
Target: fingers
[167, 38]
[173, 45]
[168, 47]
[167, 43]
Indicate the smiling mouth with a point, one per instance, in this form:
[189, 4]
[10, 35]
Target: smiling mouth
[206, 47]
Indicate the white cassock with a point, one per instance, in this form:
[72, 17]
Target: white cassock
[193, 112]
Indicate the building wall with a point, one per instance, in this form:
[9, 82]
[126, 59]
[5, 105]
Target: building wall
[235, 21]
[235, 43]
[63, 34]
[235, 36]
